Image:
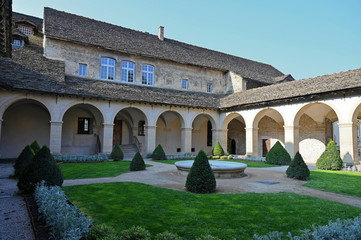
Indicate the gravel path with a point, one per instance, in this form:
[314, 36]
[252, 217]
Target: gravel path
[14, 217]
[166, 175]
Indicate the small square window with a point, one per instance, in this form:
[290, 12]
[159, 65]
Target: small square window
[185, 84]
[82, 70]
[84, 126]
[209, 88]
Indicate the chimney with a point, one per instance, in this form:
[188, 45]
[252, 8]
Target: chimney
[161, 33]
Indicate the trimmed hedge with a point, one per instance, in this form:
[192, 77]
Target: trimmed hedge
[23, 161]
[43, 167]
[218, 150]
[158, 153]
[136, 233]
[137, 163]
[167, 236]
[278, 155]
[35, 146]
[102, 232]
[201, 178]
[117, 153]
[64, 221]
[330, 158]
[298, 168]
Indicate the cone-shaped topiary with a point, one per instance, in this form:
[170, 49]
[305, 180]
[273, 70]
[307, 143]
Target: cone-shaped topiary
[278, 155]
[201, 178]
[217, 150]
[43, 167]
[24, 159]
[298, 168]
[137, 163]
[158, 153]
[35, 146]
[330, 158]
[117, 153]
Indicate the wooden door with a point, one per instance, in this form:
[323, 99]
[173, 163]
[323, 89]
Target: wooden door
[117, 132]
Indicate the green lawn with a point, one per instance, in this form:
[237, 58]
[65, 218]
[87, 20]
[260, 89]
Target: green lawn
[336, 181]
[94, 170]
[249, 164]
[227, 216]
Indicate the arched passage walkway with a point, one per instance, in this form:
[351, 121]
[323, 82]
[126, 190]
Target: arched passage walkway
[202, 133]
[356, 136]
[236, 134]
[23, 122]
[129, 127]
[169, 132]
[82, 130]
[316, 126]
[269, 123]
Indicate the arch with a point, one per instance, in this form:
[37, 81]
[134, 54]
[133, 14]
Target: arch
[14, 100]
[202, 137]
[82, 129]
[23, 122]
[178, 114]
[315, 126]
[115, 113]
[356, 111]
[73, 104]
[229, 118]
[271, 112]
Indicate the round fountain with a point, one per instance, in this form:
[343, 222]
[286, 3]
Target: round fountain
[221, 169]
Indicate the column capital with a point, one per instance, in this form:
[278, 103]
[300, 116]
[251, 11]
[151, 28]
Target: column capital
[108, 124]
[350, 124]
[219, 130]
[291, 126]
[55, 122]
[150, 127]
[187, 129]
[251, 129]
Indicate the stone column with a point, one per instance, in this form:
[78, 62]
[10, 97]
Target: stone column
[1, 123]
[107, 143]
[186, 140]
[348, 142]
[252, 142]
[221, 136]
[291, 139]
[55, 136]
[150, 139]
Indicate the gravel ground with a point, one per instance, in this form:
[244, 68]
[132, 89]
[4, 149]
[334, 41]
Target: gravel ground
[14, 218]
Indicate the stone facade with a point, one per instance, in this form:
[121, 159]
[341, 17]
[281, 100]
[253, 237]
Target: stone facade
[166, 74]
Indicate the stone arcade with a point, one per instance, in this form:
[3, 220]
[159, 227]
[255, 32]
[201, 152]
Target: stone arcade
[85, 85]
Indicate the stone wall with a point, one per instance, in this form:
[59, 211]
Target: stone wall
[269, 129]
[236, 131]
[166, 74]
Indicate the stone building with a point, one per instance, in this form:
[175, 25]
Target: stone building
[84, 85]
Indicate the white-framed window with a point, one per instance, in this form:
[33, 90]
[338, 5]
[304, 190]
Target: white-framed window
[82, 69]
[147, 74]
[185, 84]
[17, 43]
[107, 69]
[26, 30]
[209, 88]
[128, 69]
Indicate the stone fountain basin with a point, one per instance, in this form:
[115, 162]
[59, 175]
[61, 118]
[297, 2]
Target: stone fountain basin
[221, 169]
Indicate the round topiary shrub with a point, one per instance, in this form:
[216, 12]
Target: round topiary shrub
[230, 157]
[330, 158]
[135, 233]
[224, 157]
[201, 178]
[217, 150]
[158, 153]
[298, 168]
[137, 163]
[102, 231]
[24, 159]
[35, 146]
[207, 237]
[278, 155]
[43, 167]
[167, 236]
[117, 153]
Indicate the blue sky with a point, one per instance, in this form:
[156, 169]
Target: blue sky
[305, 38]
